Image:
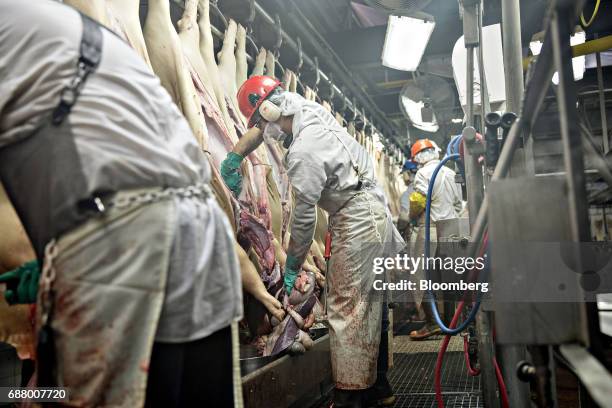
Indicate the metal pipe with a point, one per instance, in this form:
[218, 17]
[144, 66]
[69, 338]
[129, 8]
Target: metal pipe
[469, 90]
[602, 105]
[570, 136]
[484, 91]
[589, 47]
[511, 355]
[475, 183]
[511, 34]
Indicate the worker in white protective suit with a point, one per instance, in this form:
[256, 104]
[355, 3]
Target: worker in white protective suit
[446, 203]
[328, 168]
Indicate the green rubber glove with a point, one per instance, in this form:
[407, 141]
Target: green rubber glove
[230, 172]
[22, 283]
[292, 268]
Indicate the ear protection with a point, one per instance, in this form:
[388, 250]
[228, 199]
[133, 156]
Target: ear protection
[269, 111]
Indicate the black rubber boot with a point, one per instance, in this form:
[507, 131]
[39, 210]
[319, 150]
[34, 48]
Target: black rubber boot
[348, 398]
[380, 394]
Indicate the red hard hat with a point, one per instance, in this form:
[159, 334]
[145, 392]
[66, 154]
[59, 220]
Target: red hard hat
[419, 146]
[253, 92]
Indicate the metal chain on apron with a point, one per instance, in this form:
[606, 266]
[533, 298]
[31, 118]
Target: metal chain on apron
[368, 198]
[200, 190]
[48, 276]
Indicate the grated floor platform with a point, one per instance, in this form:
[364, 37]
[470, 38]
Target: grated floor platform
[412, 375]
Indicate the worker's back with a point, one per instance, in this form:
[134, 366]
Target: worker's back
[446, 198]
[128, 133]
[323, 158]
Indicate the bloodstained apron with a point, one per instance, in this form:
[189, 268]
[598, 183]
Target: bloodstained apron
[354, 308]
[108, 295]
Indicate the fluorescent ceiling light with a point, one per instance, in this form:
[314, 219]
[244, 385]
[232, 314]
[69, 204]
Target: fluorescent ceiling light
[413, 109]
[405, 42]
[578, 63]
[457, 120]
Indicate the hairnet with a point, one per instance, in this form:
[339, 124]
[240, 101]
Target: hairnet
[288, 102]
[426, 155]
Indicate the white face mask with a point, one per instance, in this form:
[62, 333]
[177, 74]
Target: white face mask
[273, 132]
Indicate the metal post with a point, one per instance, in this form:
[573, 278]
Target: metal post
[475, 195]
[513, 65]
[602, 105]
[511, 355]
[484, 90]
[469, 90]
[513, 55]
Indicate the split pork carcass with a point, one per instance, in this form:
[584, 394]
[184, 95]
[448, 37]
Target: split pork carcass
[181, 64]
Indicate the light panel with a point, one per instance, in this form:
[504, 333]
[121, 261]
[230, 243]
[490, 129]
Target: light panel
[405, 42]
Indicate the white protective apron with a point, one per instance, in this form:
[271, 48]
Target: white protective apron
[354, 309]
[107, 294]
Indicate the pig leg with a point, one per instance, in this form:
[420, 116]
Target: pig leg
[287, 78]
[168, 63]
[207, 52]
[271, 64]
[260, 62]
[126, 13]
[242, 66]
[189, 34]
[293, 87]
[95, 9]
[252, 283]
[227, 64]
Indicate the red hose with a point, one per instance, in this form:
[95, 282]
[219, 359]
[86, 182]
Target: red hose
[471, 371]
[444, 346]
[438, 370]
[502, 385]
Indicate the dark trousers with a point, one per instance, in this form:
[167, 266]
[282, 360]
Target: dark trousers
[383, 349]
[194, 374]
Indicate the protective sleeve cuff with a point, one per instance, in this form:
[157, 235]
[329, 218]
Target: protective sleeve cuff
[233, 160]
[417, 204]
[292, 263]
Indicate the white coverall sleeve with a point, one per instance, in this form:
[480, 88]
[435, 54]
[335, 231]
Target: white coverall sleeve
[421, 183]
[308, 178]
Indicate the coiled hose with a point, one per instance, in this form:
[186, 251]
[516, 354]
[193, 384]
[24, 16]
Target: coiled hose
[452, 330]
[434, 307]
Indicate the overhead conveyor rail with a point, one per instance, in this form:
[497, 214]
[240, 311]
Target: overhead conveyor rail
[388, 137]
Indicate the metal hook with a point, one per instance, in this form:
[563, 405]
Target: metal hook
[252, 14]
[300, 56]
[282, 69]
[214, 4]
[317, 73]
[279, 35]
[252, 43]
[332, 89]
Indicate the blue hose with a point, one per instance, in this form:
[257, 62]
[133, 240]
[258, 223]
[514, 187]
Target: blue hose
[434, 307]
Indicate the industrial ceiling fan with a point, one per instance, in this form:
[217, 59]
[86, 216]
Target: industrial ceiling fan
[424, 101]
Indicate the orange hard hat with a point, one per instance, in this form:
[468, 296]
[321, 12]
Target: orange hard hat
[253, 92]
[420, 145]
